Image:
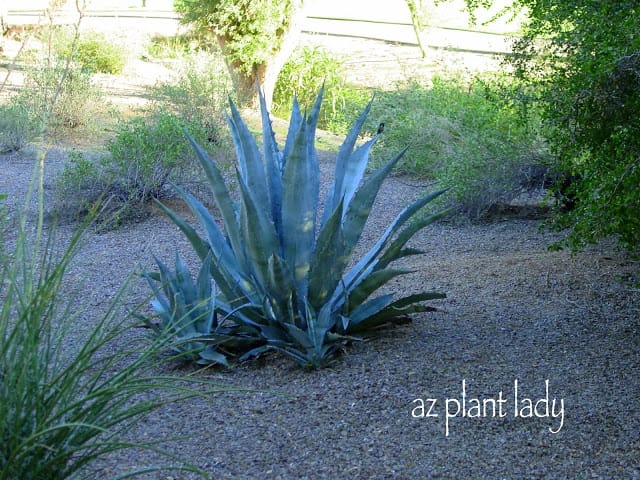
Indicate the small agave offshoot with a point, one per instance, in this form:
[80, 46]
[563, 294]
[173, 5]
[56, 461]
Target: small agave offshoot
[281, 273]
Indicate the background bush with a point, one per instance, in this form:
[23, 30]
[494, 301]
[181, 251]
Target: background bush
[145, 154]
[466, 135]
[306, 71]
[197, 94]
[60, 95]
[586, 70]
[93, 51]
[17, 126]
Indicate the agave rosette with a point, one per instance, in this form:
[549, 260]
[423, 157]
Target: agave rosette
[281, 272]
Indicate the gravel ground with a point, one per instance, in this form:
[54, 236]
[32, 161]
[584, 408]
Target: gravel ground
[564, 328]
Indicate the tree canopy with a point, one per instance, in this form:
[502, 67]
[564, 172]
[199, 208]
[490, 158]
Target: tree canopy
[583, 59]
[256, 36]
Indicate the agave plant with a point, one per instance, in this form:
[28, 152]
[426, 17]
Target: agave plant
[281, 271]
[191, 314]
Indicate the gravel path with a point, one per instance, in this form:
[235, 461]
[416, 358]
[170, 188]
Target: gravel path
[394, 407]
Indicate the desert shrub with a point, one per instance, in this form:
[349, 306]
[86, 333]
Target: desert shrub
[582, 55]
[606, 159]
[59, 94]
[467, 136]
[17, 128]
[197, 94]
[145, 154]
[308, 69]
[93, 51]
[180, 46]
[285, 277]
[67, 398]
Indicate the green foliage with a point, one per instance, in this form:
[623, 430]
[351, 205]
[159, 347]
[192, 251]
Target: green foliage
[144, 156]
[575, 53]
[251, 30]
[467, 136]
[198, 95]
[179, 46]
[308, 69]
[146, 153]
[606, 154]
[93, 51]
[67, 398]
[282, 272]
[16, 126]
[58, 94]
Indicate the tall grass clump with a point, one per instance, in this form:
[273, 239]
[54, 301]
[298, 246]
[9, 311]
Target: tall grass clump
[470, 136]
[73, 382]
[308, 69]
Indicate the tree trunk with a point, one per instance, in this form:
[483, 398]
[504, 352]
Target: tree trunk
[266, 74]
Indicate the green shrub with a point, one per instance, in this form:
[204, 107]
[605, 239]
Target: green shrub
[143, 157]
[583, 56]
[466, 136]
[93, 51]
[606, 160]
[281, 272]
[16, 127]
[79, 186]
[198, 94]
[308, 69]
[67, 398]
[180, 46]
[60, 95]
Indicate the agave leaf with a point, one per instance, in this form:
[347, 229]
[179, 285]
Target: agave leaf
[360, 292]
[396, 310]
[206, 295]
[231, 264]
[199, 245]
[259, 236]
[251, 165]
[299, 208]
[255, 352]
[184, 283]
[221, 198]
[337, 190]
[366, 263]
[358, 210]
[355, 168]
[273, 166]
[328, 262]
[295, 122]
[300, 336]
[211, 355]
[280, 282]
[368, 309]
[395, 249]
[162, 278]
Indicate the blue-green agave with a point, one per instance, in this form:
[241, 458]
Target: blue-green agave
[281, 273]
